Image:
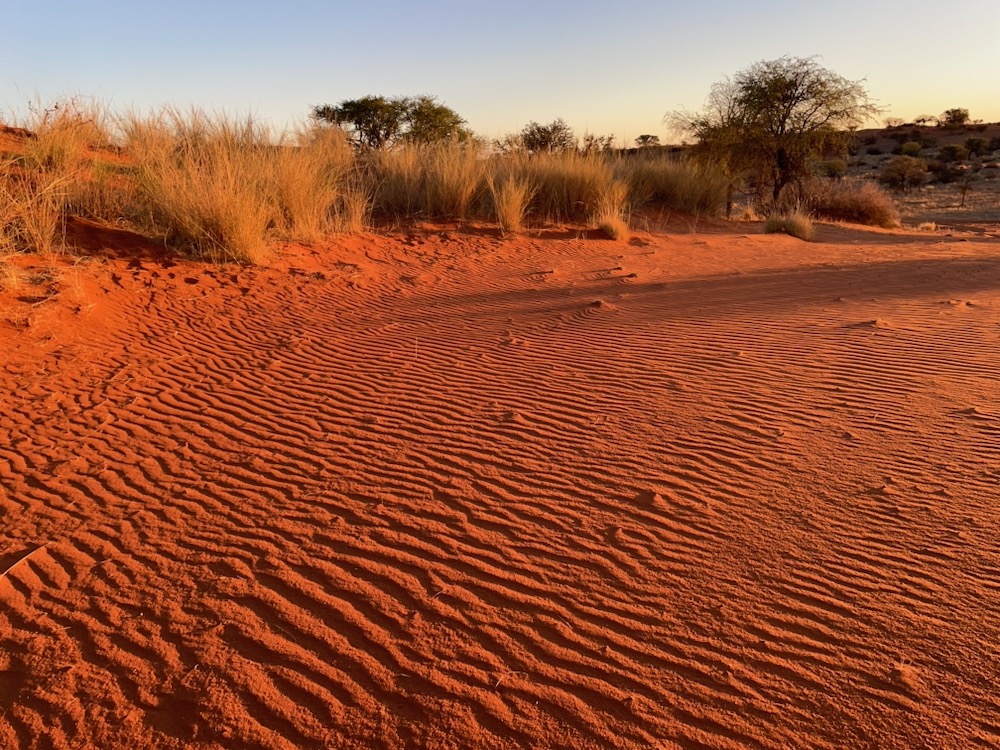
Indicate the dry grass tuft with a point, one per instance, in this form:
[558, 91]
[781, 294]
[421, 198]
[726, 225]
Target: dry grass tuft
[512, 195]
[454, 176]
[570, 184]
[226, 189]
[11, 277]
[353, 209]
[795, 223]
[66, 134]
[31, 210]
[614, 227]
[679, 186]
[610, 210]
[860, 203]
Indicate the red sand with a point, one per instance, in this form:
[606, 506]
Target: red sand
[445, 490]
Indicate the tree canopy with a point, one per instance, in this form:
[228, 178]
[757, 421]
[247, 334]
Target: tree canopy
[556, 136]
[954, 118]
[378, 122]
[771, 119]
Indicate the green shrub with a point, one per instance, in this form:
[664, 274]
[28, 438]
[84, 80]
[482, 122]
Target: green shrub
[977, 146]
[942, 172]
[834, 169]
[903, 173]
[910, 148]
[951, 152]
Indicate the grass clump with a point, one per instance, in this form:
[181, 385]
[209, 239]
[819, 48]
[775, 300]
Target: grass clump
[226, 189]
[200, 181]
[856, 202]
[65, 135]
[31, 210]
[610, 210]
[680, 186]
[454, 178]
[794, 222]
[511, 196]
[11, 277]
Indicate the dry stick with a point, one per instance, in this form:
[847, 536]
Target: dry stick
[99, 427]
[20, 560]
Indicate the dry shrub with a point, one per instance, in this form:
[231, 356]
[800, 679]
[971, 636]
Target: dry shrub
[857, 202]
[795, 223]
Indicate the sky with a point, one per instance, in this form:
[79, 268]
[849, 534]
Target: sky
[603, 67]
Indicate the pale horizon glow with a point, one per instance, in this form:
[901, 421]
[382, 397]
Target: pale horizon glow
[602, 70]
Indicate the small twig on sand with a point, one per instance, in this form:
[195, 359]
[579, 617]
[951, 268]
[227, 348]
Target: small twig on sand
[19, 561]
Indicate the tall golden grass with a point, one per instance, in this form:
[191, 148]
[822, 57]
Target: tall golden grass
[229, 189]
[511, 197]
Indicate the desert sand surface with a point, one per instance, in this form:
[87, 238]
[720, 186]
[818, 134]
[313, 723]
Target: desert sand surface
[437, 488]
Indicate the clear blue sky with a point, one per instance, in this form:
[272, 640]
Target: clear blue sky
[603, 67]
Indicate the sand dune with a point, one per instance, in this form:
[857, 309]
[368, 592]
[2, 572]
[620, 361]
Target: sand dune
[445, 490]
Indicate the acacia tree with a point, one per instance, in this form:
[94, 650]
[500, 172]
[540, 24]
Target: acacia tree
[378, 122]
[773, 118]
[954, 118]
[556, 136]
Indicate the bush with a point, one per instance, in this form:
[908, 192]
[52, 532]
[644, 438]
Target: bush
[910, 148]
[942, 172]
[857, 202]
[951, 152]
[795, 223]
[977, 146]
[903, 173]
[834, 169]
